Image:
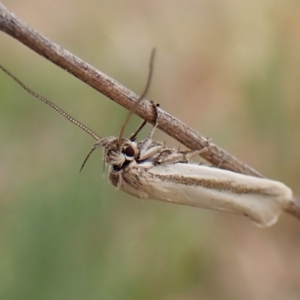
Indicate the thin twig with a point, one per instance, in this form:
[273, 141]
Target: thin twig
[109, 87]
[117, 92]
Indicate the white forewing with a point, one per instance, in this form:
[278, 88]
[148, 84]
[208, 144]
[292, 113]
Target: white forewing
[260, 199]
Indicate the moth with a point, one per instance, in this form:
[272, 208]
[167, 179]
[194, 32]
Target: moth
[148, 169]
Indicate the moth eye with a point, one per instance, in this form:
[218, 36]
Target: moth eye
[128, 151]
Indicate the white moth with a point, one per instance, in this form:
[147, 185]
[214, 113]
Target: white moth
[150, 170]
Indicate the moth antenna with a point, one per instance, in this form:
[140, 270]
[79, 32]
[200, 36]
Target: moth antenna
[104, 165]
[55, 107]
[98, 144]
[142, 95]
[87, 157]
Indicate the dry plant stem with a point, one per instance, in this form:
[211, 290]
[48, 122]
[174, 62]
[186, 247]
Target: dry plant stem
[117, 92]
[294, 208]
[109, 87]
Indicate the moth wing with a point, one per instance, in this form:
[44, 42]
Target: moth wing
[262, 200]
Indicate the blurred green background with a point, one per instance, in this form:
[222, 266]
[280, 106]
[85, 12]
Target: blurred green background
[229, 69]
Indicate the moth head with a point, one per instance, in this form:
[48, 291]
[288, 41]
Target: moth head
[119, 154]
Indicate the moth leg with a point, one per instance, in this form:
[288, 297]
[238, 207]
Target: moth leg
[144, 150]
[171, 157]
[150, 152]
[193, 153]
[132, 137]
[155, 106]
